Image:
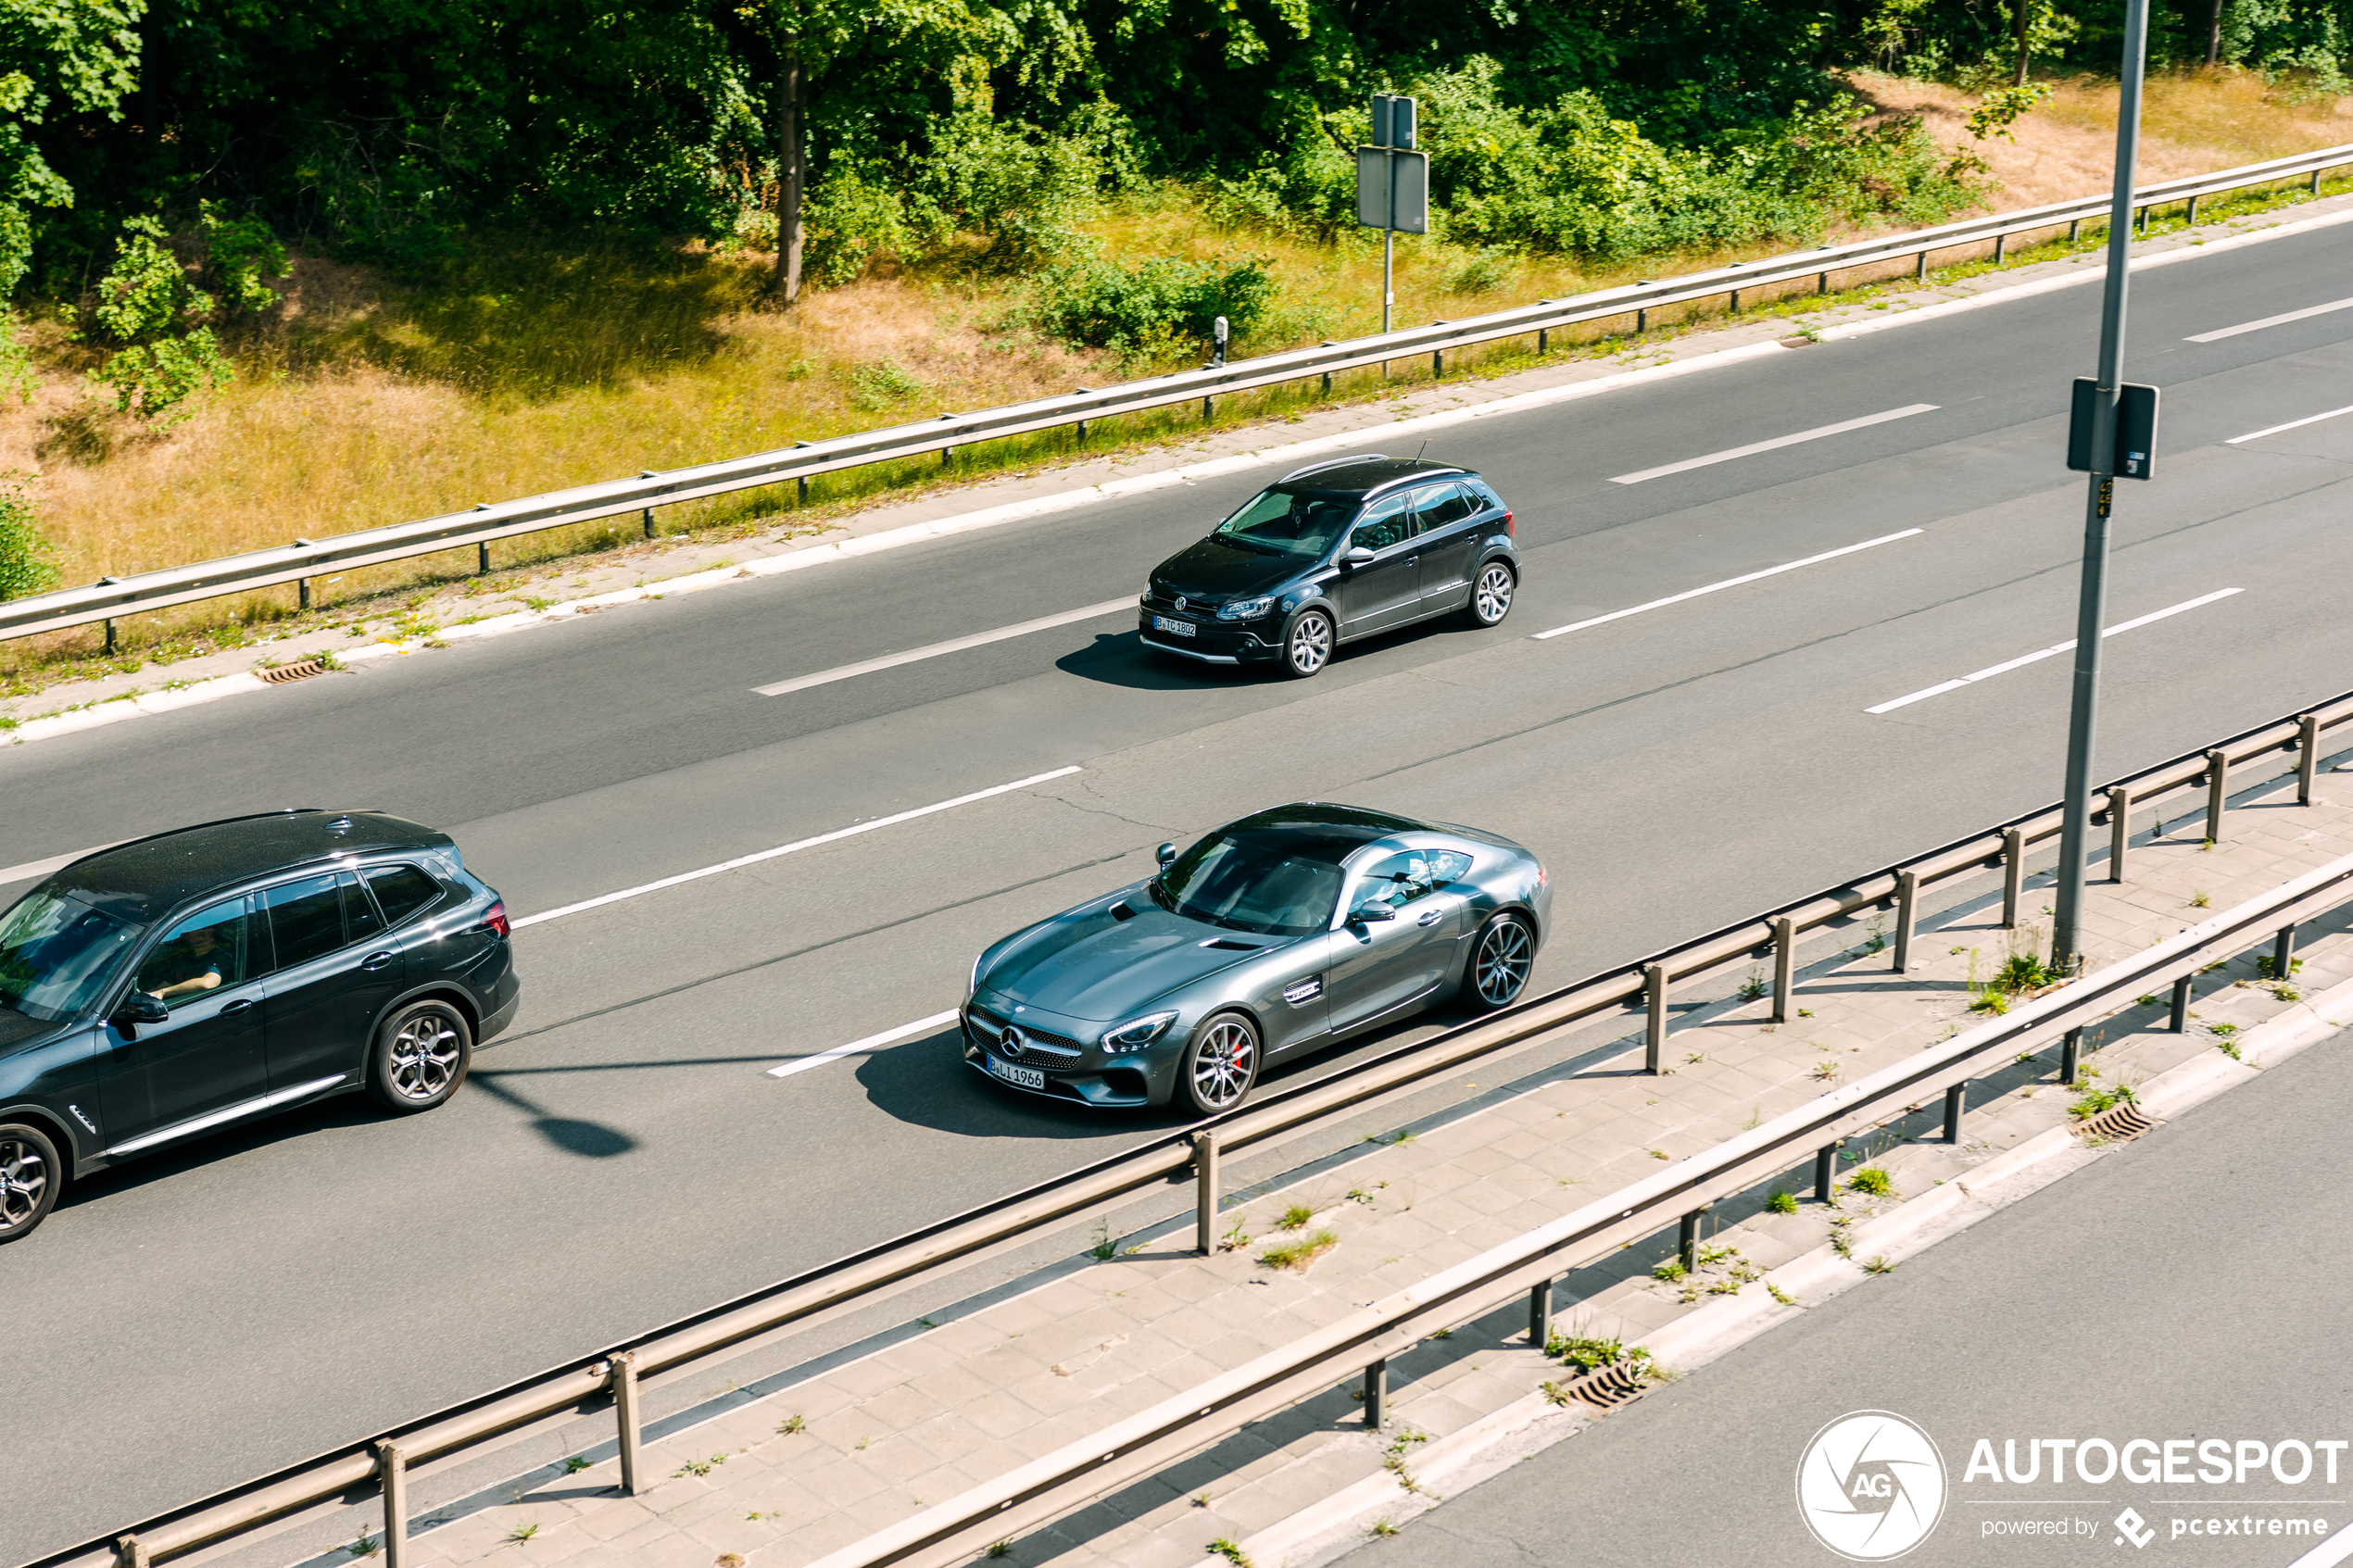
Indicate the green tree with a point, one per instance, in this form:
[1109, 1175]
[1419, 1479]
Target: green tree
[69, 55]
[26, 563]
[158, 323]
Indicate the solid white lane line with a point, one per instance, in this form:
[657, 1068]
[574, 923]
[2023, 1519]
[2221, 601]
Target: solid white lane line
[1778, 441]
[2292, 425]
[958, 644]
[921, 1026]
[2009, 664]
[1727, 583]
[31, 868]
[2278, 320]
[797, 844]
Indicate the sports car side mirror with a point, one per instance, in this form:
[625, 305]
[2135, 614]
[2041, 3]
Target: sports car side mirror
[1167, 853]
[1357, 556]
[1365, 914]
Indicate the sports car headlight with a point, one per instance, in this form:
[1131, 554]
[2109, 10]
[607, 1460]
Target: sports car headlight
[1134, 1035]
[1245, 609]
[972, 984]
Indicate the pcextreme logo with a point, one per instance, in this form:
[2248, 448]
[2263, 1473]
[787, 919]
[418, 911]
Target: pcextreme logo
[1871, 1485]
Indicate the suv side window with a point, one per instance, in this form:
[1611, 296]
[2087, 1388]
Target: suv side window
[206, 952]
[1386, 522]
[1442, 506]
[401, 890]
[306, 919]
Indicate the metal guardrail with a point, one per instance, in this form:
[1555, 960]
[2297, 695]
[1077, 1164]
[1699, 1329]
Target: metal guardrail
[490, 522]
[607, 1381]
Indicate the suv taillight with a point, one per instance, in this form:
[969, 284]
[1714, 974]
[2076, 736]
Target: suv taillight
[497, 918]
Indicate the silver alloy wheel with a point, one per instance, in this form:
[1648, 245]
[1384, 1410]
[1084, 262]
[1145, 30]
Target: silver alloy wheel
[1223, 1064]
[1310, 645]
[1491, 600]
[24, 1183]
[421, 1060]
[1499, 967]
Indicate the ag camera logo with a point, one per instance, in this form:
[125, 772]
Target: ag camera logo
[1871, 1485]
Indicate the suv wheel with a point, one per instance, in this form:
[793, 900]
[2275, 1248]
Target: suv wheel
[1308, 645]
[28, 1178]
[1491, 598]
[421, 1057]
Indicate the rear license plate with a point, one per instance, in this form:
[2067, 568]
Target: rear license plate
[1020, 1077]
[1174, 628]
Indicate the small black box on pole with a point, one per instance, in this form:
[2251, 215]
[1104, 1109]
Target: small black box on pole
[2135, 455]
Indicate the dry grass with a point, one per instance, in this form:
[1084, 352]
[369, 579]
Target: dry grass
[367, 403]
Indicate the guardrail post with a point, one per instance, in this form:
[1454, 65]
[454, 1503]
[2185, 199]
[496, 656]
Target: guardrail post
[649, 511]
[804, 494]
[2316, 181]
[2283, 954]
[130, 1551]
[1822, 283]
[1686, 1236]
[1908, 908]
[2218, 785]
[481, 558]
[1641, 320]
[2073, 228]
[1956, 1101]
[1784, 968]
[392, 1468]
[2190, 217]
[2000, 243]
[1438, 364]
[1543, 340]
[109, 639]
[2308, 756]
[2070, 1051]
[623, 1375]
[1208, 410]
[1205, 1192]
[2013, 875]
[2182, 989]
[1376, 1395]
[1736, 302]
[2119, 830]
[1655, 1038]
[1825, 1171]
[1540, 1312]
[1920, 272]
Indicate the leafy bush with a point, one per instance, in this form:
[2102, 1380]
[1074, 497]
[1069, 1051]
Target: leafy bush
[26, 565]
[147, 304]
[1022, 191]
[240, 254]
[854, 215]
[1153, 309]
[882, 384]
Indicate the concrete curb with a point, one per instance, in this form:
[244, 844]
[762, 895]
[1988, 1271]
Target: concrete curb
[1327, 1530]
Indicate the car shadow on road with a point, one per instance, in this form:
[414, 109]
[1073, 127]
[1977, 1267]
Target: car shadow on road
[322, 1116]
[928, 1083]
[1120, 659]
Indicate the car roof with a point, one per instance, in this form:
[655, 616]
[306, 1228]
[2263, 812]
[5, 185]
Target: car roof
[149, 877]
[1360, 476]
[1320, 830]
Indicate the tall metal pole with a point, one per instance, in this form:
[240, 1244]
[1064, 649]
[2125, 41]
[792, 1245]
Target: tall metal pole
[1387, 254]
[2091, 613]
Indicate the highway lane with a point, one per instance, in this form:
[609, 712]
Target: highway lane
[1680, 767]
[2191, 1284]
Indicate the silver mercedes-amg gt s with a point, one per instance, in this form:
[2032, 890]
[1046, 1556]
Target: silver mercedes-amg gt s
[1274, 934]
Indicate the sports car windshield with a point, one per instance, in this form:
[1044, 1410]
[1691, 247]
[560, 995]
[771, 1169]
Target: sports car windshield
[1288, 522]
[1249, 886]
[54, 954]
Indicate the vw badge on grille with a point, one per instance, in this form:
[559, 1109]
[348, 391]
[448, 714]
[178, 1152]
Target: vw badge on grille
[1182, 601]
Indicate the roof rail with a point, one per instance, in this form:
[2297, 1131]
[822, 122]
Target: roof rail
[1333, 463]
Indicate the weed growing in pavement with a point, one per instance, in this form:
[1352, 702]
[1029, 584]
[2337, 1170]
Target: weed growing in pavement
[576, 1463]
[1990, 1001]
[1669, 1272]
[1295, 1218]
[1693, 1058]
[1754, 986]
[2225, 1030]
[2096, 1100]
[1871, 1180]
[999, 1548]
[1778, 1294]
[1782, 1203]
[1838, 1243]
[703, 1466]
[1756, 1116]
[1708, 1257]
[1300, 1251]
[1106, 1248]
[1588, 1354]
[1201, 1499]
[791, 1425]
[1393, 1460]
[1805, 1012]
[1383, 1527]
[524, 1532]
[1234, 1239]
[2200, 900]
[1658, 1154]
[1877, 941]
[2205, 847]
[2145, 1000]
[736, 1559]
[1442, 1334]
[1878, 1265]
[366, 1545]
[2284, 992]
[1358, 1194]
[1825, 1070]
[1222, 1548]
[2229, 1048]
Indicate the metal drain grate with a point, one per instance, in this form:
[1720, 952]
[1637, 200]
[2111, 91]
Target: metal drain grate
[1604, 1388]
[284, 673]
[2117, 1123]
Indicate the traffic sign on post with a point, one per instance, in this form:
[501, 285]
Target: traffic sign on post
[1393, 184]
[2135, 454]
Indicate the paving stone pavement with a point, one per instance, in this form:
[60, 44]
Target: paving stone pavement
[802, 1473]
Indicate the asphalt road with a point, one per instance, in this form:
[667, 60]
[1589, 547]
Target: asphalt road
[2193, 1286]
[621, 1159]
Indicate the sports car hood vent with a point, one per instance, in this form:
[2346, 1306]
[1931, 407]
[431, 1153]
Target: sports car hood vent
[1098, 967]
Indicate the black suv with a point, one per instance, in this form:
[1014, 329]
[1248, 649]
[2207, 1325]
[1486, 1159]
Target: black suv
[1331, 553]
[173, 984]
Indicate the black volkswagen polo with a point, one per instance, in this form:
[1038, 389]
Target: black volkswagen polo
[1332, 553]
[172, 984]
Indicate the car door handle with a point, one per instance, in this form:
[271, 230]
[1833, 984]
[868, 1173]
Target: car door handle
[375, 962]
[233, 1009]
[1431, 918]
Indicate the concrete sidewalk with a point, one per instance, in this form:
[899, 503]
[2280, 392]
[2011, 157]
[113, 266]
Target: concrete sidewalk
[802, 1473]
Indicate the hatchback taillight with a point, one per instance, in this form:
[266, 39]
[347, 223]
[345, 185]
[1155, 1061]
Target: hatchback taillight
[497, 918]
[1508, 524]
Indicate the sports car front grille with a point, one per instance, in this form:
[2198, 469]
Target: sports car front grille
[1038, 1046]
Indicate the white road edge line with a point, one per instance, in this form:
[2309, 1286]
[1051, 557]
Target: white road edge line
[1780, 441]
[956, 644]
[2279, 321]
[796, 845]
[921, 1026]
[2067, 646]
[1727, 583]
[2292, 425]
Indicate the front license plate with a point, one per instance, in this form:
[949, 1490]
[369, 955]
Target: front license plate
[1174, 628]
[1020, 1077]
